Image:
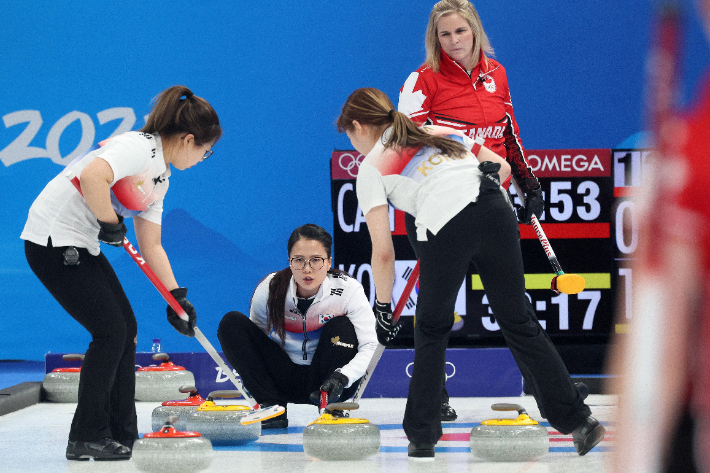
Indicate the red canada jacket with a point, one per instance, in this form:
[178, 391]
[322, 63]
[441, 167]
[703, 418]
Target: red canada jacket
[478, 104]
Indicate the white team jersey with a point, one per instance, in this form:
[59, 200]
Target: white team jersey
[339, 295]
[430, 186]
[139, 185]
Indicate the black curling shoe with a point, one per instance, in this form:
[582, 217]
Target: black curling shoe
[278, 422]
[448, 413]
[587, 435]
[420, 451]
[104, 449]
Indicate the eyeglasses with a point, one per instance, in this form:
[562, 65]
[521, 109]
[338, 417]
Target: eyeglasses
[299, 263]
[207, 154]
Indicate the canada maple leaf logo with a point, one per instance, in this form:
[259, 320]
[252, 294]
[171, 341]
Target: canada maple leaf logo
[410, 102]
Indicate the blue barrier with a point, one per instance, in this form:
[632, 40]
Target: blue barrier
[473, 372]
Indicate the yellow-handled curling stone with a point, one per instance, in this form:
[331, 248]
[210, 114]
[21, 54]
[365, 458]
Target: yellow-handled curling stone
[334, 436]
[509, 440]
[222, 423]
[159, 383]
[172, 451]
[62, 384]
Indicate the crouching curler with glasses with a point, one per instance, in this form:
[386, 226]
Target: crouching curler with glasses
[310, 327]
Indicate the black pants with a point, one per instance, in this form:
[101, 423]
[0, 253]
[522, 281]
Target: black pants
[487, 234]
[411, 226]
[268, 372]
[91, 293]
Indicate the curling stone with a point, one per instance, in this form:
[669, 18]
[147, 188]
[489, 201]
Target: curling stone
[178, 408]
[331, 437]
[171, 451]
[509, 440]
[62, 384]
[159, 383]
[222, 423]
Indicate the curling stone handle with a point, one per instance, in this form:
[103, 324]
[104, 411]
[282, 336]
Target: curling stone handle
[502, 406]
[73, 357]
[225, 393]
[187, 389]
[343, 406]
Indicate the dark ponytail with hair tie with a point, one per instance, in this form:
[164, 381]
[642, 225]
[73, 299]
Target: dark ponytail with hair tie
[366, 106]
[178, 110]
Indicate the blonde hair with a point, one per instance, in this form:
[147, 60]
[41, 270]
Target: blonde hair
[468, 12]
[370, 106]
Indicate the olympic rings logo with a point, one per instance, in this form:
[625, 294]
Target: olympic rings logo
[448, 363]
[353, 163]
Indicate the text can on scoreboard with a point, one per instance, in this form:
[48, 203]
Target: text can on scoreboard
[578, 188]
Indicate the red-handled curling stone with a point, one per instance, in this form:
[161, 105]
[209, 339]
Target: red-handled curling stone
[160, 383]
[178, 408]
[62, 384]
[171, 451]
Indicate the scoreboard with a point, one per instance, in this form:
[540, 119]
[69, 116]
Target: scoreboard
[628, 175]
[588, 218]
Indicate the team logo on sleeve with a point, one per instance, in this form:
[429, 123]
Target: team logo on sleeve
[323, 318]
[336, 291]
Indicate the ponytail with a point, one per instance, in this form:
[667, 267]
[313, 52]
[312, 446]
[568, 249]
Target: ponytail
[276, 303]
[177, 110]
[370, 106]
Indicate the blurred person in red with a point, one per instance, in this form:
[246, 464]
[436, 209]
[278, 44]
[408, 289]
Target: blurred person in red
[663, 421]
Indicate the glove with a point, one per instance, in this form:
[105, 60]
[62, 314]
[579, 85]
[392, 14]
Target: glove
[333, 386]
[112, 233]
[386, 326]
[534, 204]
[491, 179]
[185, 328]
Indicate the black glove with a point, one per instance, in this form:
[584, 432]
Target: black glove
[185, 328]
[491, 178]
[386, 326]
[534, 204]
[112, 233]
[333, 386]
